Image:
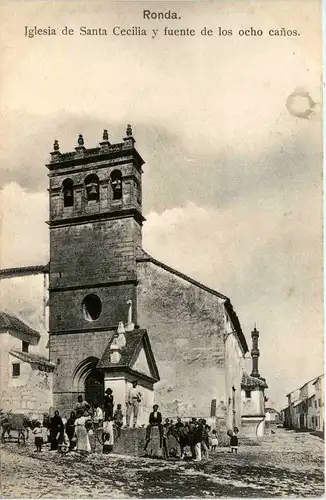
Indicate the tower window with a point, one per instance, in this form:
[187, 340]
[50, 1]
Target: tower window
[248, 394]
[68, 193]
[25, 346]
[92, 188]
[15, 369]
[92, 307]
[116, 183]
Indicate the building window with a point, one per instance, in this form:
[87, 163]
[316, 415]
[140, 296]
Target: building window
[92, 307]
[25, 346]
[319, 402]
[15, 369]
[68, 193]
[116, 183]
[248, 394]
[92, 188]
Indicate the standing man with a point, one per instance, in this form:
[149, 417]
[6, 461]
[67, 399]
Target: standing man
[198, 439]
[133, 403]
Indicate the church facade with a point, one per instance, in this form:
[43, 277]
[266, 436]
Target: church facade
[190, 349]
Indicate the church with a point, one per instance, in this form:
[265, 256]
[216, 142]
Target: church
[114, 314]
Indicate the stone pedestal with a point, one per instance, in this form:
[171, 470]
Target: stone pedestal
[154, 448]
[253, 427]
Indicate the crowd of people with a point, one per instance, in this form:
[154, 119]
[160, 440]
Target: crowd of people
[85, 421]
[194, 438]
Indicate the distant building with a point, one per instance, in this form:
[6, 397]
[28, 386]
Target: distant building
[26, 376]
[305, 409]
[272, 416]
[319, 420]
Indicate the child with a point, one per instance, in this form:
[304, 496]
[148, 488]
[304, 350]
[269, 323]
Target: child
[38, 433]
[107, 446]
[63, 443]
[118, 418]
[214, 440]
[234, 441]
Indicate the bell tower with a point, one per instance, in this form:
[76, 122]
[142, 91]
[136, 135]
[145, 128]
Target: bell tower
[95, 226]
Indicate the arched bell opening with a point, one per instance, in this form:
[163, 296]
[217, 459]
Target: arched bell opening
[116, 183]
[68, 193]
[92, 188]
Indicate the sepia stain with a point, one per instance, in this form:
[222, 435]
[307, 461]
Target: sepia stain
[300, 103]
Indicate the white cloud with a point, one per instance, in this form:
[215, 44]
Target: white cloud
[24, 233]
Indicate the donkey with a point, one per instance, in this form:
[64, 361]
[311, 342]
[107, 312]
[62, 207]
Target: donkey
[14, 422]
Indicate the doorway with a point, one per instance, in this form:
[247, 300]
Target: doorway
[94, 388]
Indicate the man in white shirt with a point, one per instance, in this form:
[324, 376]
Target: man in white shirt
[133, 403]
[98, 414]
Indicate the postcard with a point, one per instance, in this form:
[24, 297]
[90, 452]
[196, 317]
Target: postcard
[161, 294]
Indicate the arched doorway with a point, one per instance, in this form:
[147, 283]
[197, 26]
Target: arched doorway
[89, 381]
[94, 388]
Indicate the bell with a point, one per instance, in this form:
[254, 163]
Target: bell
[93, 189]
[68, 193]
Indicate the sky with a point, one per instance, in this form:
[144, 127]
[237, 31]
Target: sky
[232, 182]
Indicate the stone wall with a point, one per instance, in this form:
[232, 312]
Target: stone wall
[93, 252]
[66, 312]
[233, 376]
[255, 405]
[185, 325]
[30, 393]
[68, 351]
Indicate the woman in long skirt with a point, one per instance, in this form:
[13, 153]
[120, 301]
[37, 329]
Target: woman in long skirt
[83, 443]
[108, 405]
[56, 426]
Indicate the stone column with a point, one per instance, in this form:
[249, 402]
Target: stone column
[255, 353]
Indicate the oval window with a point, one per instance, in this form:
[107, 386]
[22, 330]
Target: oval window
[92, 307]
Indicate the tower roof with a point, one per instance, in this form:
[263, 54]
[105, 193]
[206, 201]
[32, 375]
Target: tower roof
[84, 155]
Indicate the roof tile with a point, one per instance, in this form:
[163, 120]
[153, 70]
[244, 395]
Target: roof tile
[9, 322]
[134, 340]
[32, 358]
